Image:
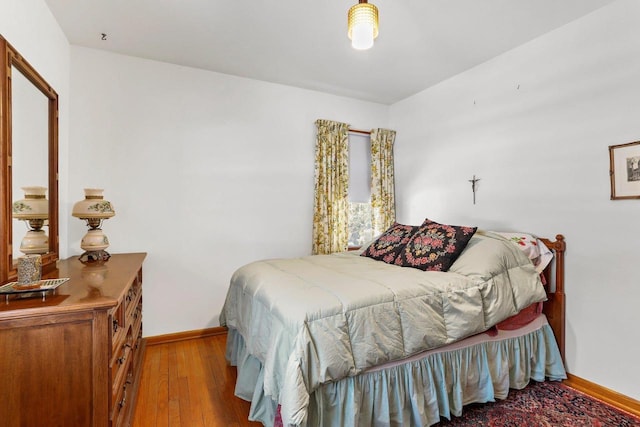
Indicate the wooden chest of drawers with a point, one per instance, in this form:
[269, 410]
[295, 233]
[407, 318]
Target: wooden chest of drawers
[74, 358]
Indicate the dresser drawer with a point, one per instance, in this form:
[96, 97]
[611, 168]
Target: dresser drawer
[136, 318]
[133, 295]
[119, 364]
[137, 353]
[122, 396]
[118, 327]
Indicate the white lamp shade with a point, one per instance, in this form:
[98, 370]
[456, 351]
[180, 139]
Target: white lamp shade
[93, 205]
[33, 206]
[94, 240]
[35, 242]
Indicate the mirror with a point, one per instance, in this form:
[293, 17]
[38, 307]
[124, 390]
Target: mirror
[29, 129]
[28, 156]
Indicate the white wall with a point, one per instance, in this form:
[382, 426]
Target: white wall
[207, 172]
[31, 29]
[534, 125]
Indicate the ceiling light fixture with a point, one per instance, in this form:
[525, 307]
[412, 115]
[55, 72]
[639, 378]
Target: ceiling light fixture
[363, 25]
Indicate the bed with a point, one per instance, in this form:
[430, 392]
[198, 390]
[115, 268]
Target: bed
[346, 340]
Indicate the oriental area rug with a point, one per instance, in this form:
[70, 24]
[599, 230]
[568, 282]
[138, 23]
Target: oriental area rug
[546, 404]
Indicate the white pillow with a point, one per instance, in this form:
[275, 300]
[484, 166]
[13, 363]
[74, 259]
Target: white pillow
[533, 247]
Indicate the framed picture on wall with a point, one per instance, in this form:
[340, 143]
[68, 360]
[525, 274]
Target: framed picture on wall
[625, 170]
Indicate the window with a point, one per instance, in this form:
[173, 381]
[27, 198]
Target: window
[360, 229]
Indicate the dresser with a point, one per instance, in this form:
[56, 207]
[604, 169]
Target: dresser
[74, 358]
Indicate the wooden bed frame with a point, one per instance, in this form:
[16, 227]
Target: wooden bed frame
[554, 307]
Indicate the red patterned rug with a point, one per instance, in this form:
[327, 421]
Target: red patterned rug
[547, 404]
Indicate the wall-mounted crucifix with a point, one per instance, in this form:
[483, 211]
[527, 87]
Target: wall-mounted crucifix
[473, 187]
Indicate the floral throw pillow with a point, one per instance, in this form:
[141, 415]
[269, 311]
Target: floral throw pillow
[434, 246]
[387, 247]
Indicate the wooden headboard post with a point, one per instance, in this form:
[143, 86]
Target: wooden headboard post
[554, 308]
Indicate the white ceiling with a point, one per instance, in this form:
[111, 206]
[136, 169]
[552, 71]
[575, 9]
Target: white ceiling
[303, 43]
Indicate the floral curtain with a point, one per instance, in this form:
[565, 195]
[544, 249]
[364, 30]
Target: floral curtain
[331, 204]
[383, 201]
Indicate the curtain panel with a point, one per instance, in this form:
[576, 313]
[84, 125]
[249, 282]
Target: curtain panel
[331, 197]
[383, 201]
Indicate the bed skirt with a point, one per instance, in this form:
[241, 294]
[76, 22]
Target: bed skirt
[420, 390]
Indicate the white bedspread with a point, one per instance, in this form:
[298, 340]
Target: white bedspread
[321, 318]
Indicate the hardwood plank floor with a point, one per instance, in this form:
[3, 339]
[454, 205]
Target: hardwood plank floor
[189, 384]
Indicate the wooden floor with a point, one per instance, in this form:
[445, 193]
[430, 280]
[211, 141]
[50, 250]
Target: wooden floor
[189, 384]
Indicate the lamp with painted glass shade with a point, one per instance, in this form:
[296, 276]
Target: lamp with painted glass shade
[94, 209]
[34, 210]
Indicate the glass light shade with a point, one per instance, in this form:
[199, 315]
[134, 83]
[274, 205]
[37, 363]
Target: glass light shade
[94, 240]
[93, 205]
[34, 205]
[35, 242]
[363, 25]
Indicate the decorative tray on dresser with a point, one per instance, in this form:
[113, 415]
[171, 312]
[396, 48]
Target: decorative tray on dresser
[75, 357]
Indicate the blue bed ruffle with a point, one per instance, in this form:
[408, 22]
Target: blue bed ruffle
[416, 393]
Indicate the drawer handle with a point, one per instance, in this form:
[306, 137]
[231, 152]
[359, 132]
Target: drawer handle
[124, 393]
[124, 398]
[123, 358]
[115, 325]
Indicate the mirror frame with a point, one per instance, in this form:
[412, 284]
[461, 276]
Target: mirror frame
[9, 57]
